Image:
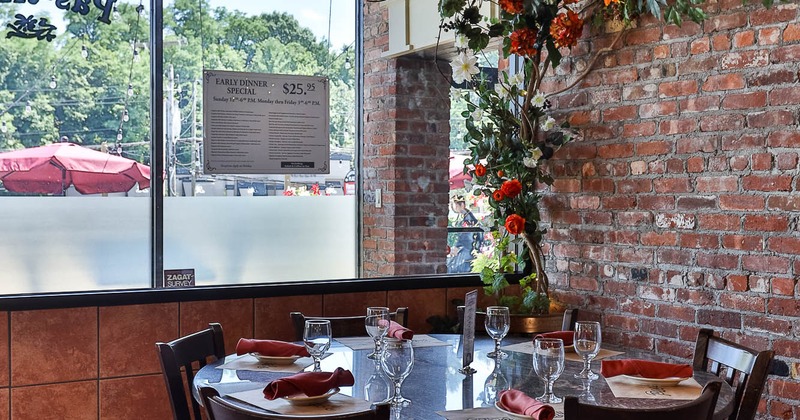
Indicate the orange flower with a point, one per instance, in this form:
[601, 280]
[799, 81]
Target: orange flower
[512, 6]
[500, 173]
[515, 224]
[511, 188]
[498, 195]
[607, 2]
[480, 170]
[522, 42]
[566, 29]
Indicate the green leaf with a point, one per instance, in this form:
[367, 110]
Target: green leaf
[448, 8]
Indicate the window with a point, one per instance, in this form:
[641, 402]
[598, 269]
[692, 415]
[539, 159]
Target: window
[89, 84]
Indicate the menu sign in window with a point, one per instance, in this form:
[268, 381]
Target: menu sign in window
[256, 123]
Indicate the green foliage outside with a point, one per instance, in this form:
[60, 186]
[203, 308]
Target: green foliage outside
[94, 63]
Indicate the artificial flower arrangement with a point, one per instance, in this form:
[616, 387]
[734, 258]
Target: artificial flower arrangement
[509, 130]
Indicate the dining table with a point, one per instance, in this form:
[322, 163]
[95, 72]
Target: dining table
[436, 385]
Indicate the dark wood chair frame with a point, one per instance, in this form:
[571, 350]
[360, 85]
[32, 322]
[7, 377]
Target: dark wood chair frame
[218, 408]
[184, 354]
[701, 408]
[742, 368]
[344, 326]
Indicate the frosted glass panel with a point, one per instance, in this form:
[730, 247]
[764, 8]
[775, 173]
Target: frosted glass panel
[57, 244]
[229, 240]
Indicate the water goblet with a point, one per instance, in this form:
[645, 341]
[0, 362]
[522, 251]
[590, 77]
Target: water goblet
[377, 324]
[495, 383]
[497, 323]
[317, 339]
[397, 359]
[587, 345]
[548, 362]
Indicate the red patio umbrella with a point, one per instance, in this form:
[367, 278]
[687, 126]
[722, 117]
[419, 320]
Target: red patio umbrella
[53, 168]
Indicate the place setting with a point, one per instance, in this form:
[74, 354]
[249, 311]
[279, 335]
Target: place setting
[268, 355]
[379, 326]
[634, 378]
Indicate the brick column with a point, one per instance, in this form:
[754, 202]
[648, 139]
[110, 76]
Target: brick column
[405, 155]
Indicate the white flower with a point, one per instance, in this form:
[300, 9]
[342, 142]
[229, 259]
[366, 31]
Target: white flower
[536, 153]
[517, 79]
[502, 90]
[464, 67]
[477, 114]
[462, 42]
[530, 162]
[548, 124]
[538, 100]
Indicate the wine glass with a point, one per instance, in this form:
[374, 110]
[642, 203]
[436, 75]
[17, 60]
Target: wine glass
[317, 339]
[377, 324]
[494, 385]
[497, 323]
[587, 345]
[548, 362]
[397, 359]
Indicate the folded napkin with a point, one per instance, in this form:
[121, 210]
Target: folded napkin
[566, 336]
[309, 383]
[270, 348]
[645, 369]
[519, 403]
[398, 331]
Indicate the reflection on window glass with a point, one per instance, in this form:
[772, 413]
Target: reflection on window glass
[469, 242]
[257, 228]
[74, 148]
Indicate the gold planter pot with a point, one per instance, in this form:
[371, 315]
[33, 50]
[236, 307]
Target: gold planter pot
[527, 324]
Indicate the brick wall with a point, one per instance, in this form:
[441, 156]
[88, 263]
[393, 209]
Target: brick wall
[679, 209]
[405, 150]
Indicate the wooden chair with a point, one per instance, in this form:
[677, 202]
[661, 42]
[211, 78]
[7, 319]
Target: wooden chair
[701, 408]
[186, 352]
[344, 326]
[742, 368]
[220, 409]
[569, 320]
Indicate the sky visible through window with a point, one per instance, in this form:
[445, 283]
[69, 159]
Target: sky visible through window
[312, 14]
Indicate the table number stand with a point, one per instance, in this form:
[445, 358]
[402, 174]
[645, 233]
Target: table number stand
[468, 332]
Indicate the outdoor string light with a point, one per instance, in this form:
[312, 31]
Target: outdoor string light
[3, 128]
[28, 107]
[125, 116]
[53, 82]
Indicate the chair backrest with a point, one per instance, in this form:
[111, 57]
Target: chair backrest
[569, 320]
[344, 326]
[702, 408]
[742, 368]
[184, 353]
[218, 408]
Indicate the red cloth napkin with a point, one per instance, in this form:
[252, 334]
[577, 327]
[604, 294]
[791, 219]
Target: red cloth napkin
[270, 348]
[566, 336]
[519, 403]
[309, 383]
[398, 331]
[645, 369]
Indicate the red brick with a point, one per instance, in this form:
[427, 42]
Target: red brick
[701, 103]
[784, 139]
[767, 183]
[729, 81]
[766, 264]
[717, 184]
[761, 161]
[620, 113]
[727, 21]
[680, 88]
[769, 325]
[737, 283]
[769, 36]
[695, 164]
[720, 42]
[699, 241]
[743, 242]
[784, 96]
[725, 122]
[718, 261]
[770, 119]
[739, 163]
[740, 141]
[783, 286]
[700, 46]
[784, 203]
[742, 202]
[618, 202]
[672, 185]
[670, 256]
[784, 307]
[786, 161]
[743, 302]
[656, 202]
[783, 388]
[772, 15]
[745, 100]
[566, 185]
[744, 39]
[745, 59]
[713, 221]
[615, 151]
[696, 203]
[762, 223]
[630, 186]
[634, 218]
[719, 318]
[784, 244]
[653, 148]
[641, 129]
[791, 33]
